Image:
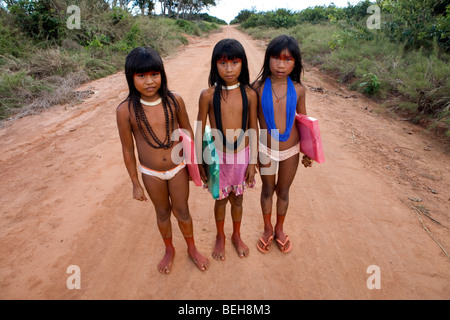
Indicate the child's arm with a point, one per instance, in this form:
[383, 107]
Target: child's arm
[203, 108]
[301, 102]
[182, 116]
[257, 87]
[253, 136]
[301, 109]
[126, 138]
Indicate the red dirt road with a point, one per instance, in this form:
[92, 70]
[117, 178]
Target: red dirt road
[66, 199]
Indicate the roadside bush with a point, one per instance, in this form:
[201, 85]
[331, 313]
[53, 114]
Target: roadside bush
[17, 90]
[406, 62]
[12, 41]
[282, 18]
[39, 19]
[36, 73]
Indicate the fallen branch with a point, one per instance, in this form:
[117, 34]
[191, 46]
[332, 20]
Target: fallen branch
[417, 211]
[429, 217]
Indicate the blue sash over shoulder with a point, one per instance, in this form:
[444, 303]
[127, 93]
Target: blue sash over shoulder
[267, 107]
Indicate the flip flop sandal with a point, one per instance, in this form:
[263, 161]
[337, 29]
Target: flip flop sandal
[282, 245]
[266, 245]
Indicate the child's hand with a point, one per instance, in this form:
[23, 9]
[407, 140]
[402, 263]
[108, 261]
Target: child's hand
[307, 161]
[138, 194]
[250, 174]
[202, 173]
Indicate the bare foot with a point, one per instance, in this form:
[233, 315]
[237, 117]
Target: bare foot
[200, 260]
[241, 247]
[219, 249]
[165, 266]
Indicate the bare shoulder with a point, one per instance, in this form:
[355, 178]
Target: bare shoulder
[251, 93]
[301, 90]
[258, 86]
[123, 115]
[207, 94]
[178, 97]
[123, 108]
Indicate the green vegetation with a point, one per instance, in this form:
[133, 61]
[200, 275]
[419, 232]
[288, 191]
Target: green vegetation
[42, 61]
[404, 63]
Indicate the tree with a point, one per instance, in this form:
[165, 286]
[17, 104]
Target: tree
[146, 6]
[184, 8]
[40, 19]
[414, 22]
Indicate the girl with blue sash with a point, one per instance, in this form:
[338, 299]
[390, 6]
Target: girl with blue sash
[281, 96]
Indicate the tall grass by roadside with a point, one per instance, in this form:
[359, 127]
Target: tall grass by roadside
[415, 83]
[39, 75]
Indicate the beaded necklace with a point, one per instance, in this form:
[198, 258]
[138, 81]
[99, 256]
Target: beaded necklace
[170, 125]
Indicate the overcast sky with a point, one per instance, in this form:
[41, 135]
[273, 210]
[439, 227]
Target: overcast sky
[228, 9]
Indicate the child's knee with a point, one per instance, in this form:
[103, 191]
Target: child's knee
[236, 201]
[182, 214]
[283, 193]
[267, 191]
[163, 213]
[222, 202]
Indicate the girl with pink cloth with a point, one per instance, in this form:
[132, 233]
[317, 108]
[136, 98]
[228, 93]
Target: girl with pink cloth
[231, 105]
[233, 170]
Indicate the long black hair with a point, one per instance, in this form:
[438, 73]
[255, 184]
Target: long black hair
[229, 49]
[143, 60]
[275, 48]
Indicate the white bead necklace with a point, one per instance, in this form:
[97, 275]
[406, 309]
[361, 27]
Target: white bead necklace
[151, 104]
[237, 85]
